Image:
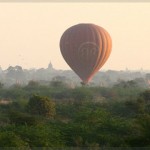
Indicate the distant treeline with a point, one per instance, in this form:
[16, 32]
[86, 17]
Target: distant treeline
[18, 75]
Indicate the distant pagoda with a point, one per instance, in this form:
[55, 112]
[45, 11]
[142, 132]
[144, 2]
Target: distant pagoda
[50, 66]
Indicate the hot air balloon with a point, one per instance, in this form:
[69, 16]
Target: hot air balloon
[85, 48]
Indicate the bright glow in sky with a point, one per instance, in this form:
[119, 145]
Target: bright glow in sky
[30, 32]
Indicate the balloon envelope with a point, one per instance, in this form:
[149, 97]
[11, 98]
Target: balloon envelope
[85, 48]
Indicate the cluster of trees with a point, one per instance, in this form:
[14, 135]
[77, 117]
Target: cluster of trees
[57, 116]
[17, 74]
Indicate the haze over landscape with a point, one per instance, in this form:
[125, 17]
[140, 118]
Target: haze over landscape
[45, 104]
[30, 32]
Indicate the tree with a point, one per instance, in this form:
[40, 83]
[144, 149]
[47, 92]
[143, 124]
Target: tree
[19, 118]
[16, 73]
[1, 85]
[33, 84]
[146, 96]
[10, 139]
[82, 94]
[56, 84]
[42, 106]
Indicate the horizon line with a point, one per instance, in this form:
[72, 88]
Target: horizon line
[60, 69]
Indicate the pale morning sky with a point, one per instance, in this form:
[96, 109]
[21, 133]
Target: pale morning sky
[30, 32]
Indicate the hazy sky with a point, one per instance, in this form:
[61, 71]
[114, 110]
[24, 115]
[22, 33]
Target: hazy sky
[30, 32]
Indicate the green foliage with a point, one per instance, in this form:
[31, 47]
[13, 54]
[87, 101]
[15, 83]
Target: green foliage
[42, 106]
[19, 118]
[146, 96]
[89, 117]
[15, 93]
[82, 94]
[32, 84]
[41, 135]
[10, 139]
[57, 84]
[61, 94]
[1, 85]
[28, 137]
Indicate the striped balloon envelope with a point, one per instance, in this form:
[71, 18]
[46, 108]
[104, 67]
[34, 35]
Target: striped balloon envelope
[85, 48]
